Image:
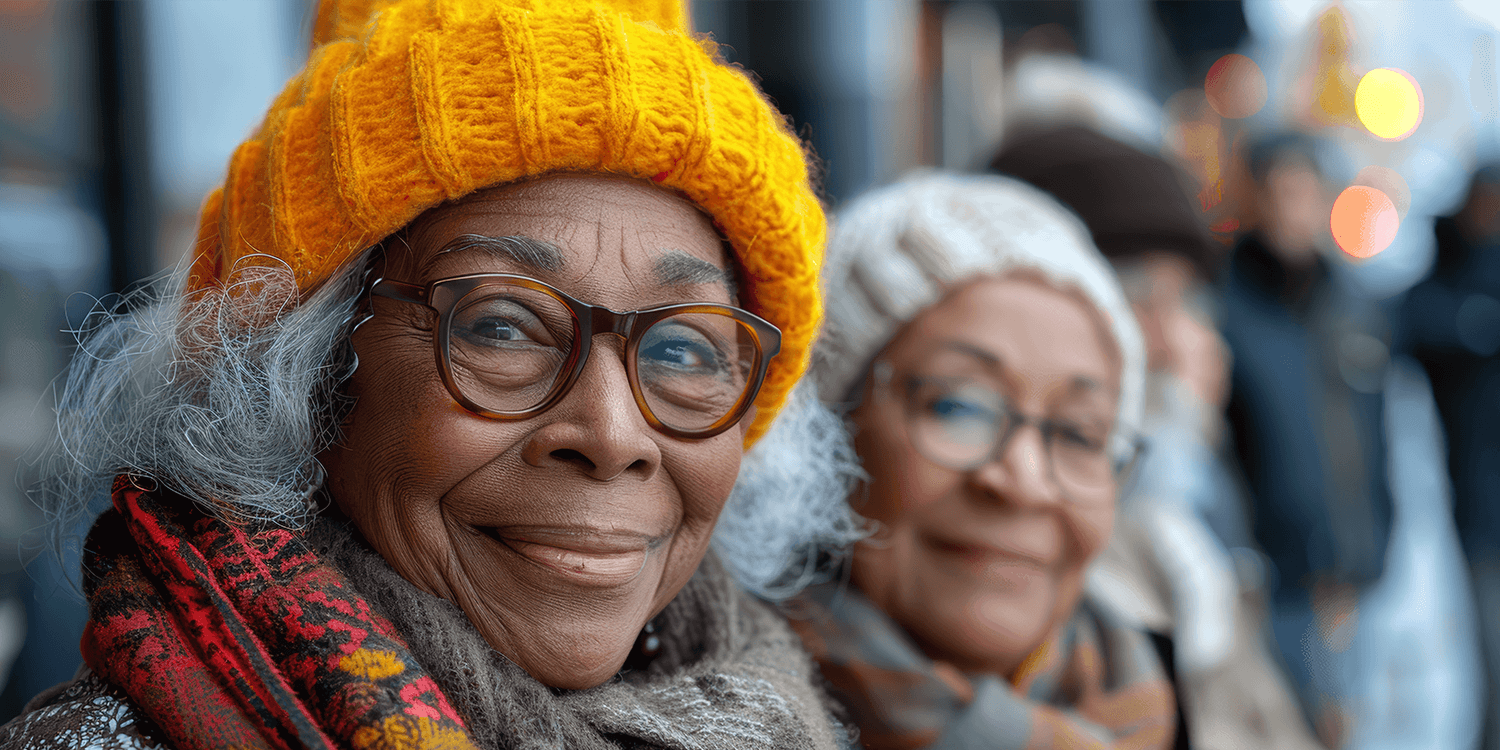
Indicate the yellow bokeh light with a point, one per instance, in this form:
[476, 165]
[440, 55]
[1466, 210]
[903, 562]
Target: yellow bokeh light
[1389, 103]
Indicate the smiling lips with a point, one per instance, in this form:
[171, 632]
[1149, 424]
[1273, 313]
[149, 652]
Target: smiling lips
[985, 558]
[588, 557]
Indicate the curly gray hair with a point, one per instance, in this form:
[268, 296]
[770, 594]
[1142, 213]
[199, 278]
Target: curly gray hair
[227, 396]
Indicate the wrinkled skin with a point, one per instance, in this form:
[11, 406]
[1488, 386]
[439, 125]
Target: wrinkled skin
[559, 535]
[982, 566]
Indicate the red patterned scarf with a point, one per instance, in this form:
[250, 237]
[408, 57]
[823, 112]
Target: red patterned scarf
[1094, 686]
[232, 636]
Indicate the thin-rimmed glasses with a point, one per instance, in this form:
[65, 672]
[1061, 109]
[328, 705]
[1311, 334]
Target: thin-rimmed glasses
[963, 423]
[510, 347]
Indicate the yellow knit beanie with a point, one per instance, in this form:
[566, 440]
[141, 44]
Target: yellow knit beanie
[405, 104]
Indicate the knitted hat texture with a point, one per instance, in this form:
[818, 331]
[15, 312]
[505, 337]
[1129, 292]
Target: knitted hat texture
[897, 250]
[406, 104]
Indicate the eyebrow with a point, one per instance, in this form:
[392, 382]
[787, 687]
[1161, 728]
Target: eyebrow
[1079, 382]
[517, 248]
[677, 268]
[672, 268]
[975, 352]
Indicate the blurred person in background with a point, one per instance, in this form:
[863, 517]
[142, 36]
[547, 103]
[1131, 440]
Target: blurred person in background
[387, 464]
[1307, 415]
[995, 374]
[1182, 526]
[1451, 324]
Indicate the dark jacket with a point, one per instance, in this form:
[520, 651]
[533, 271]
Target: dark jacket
[1306, 416]
[1451, 324]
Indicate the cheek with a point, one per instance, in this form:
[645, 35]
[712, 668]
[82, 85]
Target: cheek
[900, 480]
[403, 422]
[405, 445]
[1088, 530]
[704, 473]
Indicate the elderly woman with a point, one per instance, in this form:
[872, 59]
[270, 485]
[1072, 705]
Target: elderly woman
[428, 446]
[995, 371]
[1169, 562]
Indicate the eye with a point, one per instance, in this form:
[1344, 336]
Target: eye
[498, 329]
[681, 347]
[501, 322]
[955, 407]
[1077, 436]
[956, 399]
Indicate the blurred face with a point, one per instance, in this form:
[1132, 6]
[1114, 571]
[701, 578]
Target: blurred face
[1178, 340]
[1295, 210]
[981, 564]
[560, 535]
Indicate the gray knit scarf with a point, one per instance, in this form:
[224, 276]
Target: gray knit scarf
[730, 674]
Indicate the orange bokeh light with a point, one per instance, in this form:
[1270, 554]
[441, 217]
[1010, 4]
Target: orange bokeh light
[1235, 87]
[1364, 221]
[1390, 182]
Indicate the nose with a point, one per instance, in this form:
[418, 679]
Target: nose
[1020, 474]
[597, 429]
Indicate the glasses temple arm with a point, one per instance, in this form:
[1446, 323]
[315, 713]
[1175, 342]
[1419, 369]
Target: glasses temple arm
[399, 290]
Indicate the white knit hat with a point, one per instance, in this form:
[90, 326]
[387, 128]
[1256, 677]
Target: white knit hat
[896, 250]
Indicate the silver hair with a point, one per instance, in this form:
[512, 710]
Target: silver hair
[788, 522]
[227, 396]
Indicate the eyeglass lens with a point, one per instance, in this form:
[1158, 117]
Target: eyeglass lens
[962, 423]
[510, 345]
[694, 367]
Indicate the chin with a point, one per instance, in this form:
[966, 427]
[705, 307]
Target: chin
[581, 672]
[994, 631]
[568, 629]
[568, 636]
[571, 656]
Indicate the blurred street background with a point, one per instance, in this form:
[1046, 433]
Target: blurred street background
[1361, 133]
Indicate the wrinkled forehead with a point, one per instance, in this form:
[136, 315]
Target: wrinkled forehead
[1021, 324]
[568, 227]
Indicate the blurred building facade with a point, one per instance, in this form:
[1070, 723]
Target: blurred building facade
[115, 119]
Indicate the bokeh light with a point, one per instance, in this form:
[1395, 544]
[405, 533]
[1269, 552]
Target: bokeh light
[1389, 103]
[1390, 182]
[1235, 87]
[1195, 135]
[1333, 77]
[1364, 221]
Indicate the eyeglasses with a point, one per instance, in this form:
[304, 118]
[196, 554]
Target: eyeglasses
[963, 423]
[510, 347]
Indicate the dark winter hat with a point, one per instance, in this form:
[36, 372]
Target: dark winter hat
[1131, 201]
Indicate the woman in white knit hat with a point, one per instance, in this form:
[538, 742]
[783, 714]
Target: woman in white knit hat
[993, 372]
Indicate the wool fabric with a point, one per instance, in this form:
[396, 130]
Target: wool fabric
[407, 104]
[897, 250]
[210, 635]
[1095, 684]
[731, 674]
